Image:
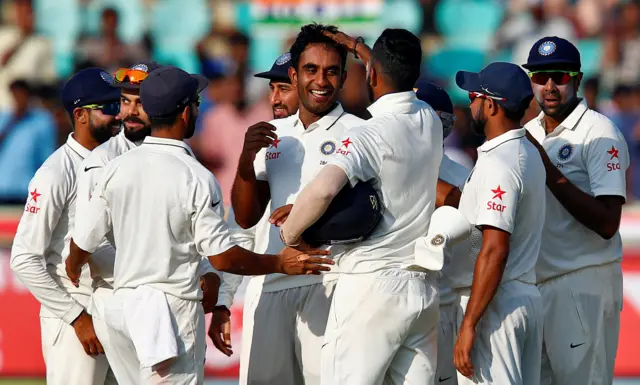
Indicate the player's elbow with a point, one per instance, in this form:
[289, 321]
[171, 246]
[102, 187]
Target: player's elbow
[608, 231]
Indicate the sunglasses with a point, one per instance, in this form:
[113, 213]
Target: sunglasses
[559, 77]
[478, 95]
[112, 108]
[132, 76]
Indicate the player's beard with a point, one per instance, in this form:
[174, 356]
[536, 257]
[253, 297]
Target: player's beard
[102, 133]
[136, 135]
[191, 125]
[479, 121]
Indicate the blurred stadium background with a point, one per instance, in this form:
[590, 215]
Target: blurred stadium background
[42, 42]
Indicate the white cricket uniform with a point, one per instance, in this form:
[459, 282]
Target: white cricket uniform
[163, 211]
[39, 250]
[103, 260]
[505, 190]
[383, 323]
[455, 174]
[290, 313]
[578, 272]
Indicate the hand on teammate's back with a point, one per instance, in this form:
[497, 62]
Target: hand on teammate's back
[258, 136]
[210, 284]
[83, 326]
[298, 262]
[280, 215]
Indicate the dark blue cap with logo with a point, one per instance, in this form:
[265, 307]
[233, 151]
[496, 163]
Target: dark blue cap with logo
[88, 86]
[553, 51]
[167, 90]
[434, 95]
[351, 217]
[279, 71]
[506, 83]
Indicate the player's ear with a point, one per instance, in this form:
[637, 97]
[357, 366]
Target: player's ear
[293, 76]
[81, 115]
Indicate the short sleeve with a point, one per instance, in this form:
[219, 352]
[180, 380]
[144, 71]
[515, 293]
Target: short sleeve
[260, 165]
[92, 226]
[360, 155]
[607, 159]
[498, 190]
[210, 230]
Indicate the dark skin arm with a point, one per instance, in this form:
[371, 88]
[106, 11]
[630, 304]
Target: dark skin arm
[600, 214]
[447, 194]
[249, 196]
[487, 276]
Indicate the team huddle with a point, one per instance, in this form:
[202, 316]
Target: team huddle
[377, 258]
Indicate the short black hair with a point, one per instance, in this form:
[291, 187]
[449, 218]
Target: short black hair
[517, 114]
[313, 34]
[399, 54]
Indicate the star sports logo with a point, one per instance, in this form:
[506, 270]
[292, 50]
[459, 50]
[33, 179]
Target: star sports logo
[271, 155]
[344, 149]
[613, 152]
[613, 165]
[497, 194]
[275, 143]
[31, 204]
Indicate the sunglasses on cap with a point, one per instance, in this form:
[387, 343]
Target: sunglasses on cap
[478, 95]
[132, 76]
[112, 108]
[559, 77]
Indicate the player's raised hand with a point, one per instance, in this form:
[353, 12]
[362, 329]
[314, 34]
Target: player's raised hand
[258, 136]
[297, 262]
[220, 330]
[280, 215]
[83, 326]
[341, 38]
[462, 350]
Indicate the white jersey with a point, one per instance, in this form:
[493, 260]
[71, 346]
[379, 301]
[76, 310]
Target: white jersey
[165, 211]
[91, 169]
[293, 160]
[591, 152]
[455, 174]
[399, 149]
[41, 243]
[505, 190]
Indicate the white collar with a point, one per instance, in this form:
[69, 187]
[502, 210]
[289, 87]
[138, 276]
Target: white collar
[571, 121]
[326, 122]
[397, 102]
[500, 139]
[77, 147]
[169, 144]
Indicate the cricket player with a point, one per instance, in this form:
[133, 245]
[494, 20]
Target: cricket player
[155, 304]
[136, 126]
[500, 309]
[284, 102]
[456, 175]
[279, 158]
[71, 349]
[578, 270]
[383, 322]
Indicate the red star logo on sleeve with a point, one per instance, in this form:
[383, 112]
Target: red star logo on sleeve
[346, 142]
[498, 193]
[34, 195]
[275, 143]
[613, 152]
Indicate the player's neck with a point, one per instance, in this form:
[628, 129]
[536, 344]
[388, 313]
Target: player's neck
[84, 138]
[174, 133]
[495, 128]
[308, 118]
[550, 123]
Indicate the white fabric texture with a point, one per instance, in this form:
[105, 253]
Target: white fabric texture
[446, 373]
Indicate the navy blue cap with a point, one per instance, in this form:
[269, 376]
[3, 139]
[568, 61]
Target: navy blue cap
[506, 83]
[145, 66]
[279, 71]
[434, 95]
[169, 89]
[553, 50]
[351, 217]
[88, 86]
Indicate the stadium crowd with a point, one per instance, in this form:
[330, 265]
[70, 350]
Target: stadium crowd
[43, 41]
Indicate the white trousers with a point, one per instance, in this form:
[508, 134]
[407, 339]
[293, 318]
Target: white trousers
[446, 370]
[283, 335]
[508, 344]
[581, 326]
[382, 328]
[186, 369]
[65, 359]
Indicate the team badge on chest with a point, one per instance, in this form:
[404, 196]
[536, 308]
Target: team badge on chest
[328, 147]
[565, 152]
